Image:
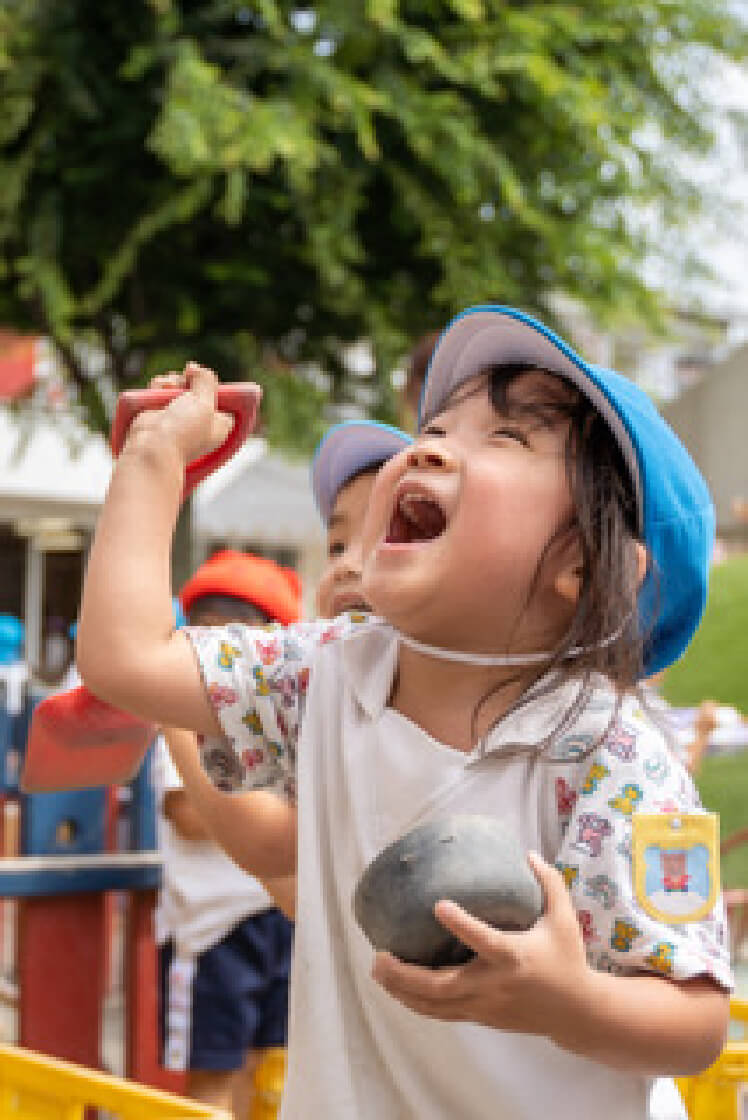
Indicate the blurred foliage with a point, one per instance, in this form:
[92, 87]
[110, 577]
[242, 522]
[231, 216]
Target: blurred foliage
[256, 184]
[722, 781]
[714, 665]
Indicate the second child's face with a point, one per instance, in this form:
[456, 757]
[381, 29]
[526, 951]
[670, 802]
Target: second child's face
[340, 586]
[458, 523]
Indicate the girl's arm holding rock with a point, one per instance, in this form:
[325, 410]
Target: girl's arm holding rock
[539, 982]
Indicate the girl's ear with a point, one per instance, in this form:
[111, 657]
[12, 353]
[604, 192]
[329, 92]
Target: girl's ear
[567, 582]
[641, 563]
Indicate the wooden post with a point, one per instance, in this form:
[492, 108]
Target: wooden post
[61, 975]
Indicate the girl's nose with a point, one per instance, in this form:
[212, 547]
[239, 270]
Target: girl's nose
[431, 454]
[345, 572]
[349, 565]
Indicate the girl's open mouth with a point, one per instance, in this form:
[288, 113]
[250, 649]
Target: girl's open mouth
[416, 518]
[348, 602]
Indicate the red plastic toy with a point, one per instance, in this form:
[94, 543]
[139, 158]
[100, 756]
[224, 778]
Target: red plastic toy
[240, 400]
[69, 730]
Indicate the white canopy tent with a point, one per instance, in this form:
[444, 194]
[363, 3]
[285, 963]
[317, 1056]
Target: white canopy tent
[54, 476]
[51, 469]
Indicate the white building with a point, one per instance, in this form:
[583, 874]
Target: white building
[53, 478]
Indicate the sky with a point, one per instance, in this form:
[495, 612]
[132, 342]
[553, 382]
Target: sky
[723, 238]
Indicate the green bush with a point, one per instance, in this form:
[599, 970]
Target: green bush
[723, 786]
[714, 666]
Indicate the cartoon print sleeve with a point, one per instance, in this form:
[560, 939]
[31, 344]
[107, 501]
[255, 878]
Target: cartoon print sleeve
[632, 771]
[256, 680]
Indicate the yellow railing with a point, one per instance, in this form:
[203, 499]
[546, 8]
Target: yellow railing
[721, 1092]
[35, 1087]
[268, 1085]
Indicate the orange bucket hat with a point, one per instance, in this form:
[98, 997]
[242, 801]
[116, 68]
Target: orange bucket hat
[255, 579]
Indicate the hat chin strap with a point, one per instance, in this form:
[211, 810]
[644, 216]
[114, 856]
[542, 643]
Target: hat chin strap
[466, 658]
[505, 659]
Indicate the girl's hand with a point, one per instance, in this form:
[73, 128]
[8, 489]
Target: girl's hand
[191, 423]
[529, 982]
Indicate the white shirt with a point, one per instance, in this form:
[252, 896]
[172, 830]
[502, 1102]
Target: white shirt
[14, 677]
[204, 894]
[364, 774]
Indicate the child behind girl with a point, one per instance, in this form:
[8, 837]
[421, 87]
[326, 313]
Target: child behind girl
[224, 950]
[343, 473]
[542, 546]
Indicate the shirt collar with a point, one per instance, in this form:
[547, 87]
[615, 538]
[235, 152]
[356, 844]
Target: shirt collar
[370, 663]
[545, 718]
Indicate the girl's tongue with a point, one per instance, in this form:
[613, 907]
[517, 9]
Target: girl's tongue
[414, 519]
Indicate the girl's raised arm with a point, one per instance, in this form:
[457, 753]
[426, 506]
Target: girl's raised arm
[128, 652]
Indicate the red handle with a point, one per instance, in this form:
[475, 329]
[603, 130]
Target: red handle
[240, 400]
[76, 741]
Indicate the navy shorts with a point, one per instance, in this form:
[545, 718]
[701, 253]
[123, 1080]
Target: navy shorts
[239, 992]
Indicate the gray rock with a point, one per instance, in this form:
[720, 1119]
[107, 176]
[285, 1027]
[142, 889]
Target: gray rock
[472, 860]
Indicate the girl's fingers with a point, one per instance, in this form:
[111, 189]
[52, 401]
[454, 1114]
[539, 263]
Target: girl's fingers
[170, 380]
[447, 983]
[484, 940]
[201, 381]
[393, 973]
[221, 428]
[440, 993]
[555, 894]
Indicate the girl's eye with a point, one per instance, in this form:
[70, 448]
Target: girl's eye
[433, 430]
[511, 433]
[335, 548]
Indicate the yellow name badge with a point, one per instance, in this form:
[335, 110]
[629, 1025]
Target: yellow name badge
[675, 864]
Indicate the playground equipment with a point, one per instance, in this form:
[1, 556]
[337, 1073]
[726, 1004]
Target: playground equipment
[268, 1084]
[74, 850]
[34, 1086]
[721, 1092]
[68, 864]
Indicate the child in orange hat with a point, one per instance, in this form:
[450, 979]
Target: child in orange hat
[225, 949]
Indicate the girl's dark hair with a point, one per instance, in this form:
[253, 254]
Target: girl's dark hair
[232, 608]
[605, 633]
[370, 468]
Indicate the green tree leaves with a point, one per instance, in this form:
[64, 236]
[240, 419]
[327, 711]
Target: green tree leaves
[259, 183]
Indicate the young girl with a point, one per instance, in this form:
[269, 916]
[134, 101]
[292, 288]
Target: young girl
[542, 546]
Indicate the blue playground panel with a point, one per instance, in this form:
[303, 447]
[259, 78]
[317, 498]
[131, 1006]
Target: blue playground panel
[70, 827]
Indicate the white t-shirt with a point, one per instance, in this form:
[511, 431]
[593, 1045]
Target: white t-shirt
[204, 894]
[14, 677]
[364, 775]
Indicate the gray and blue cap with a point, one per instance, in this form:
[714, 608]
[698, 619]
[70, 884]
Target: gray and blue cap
[345, 451]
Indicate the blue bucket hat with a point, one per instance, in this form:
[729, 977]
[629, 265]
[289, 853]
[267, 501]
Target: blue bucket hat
[676, 518]
[345, 451]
